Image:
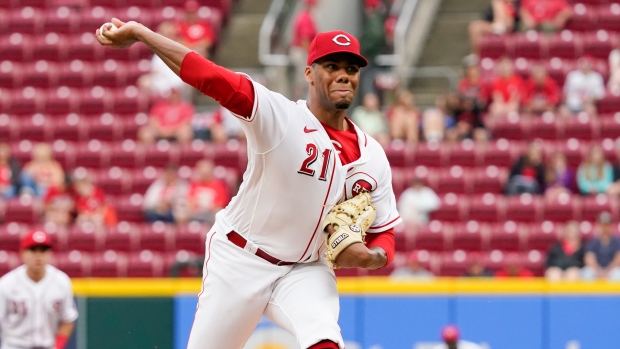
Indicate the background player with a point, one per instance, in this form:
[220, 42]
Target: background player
[37, 309]
[450, 335]
[264, 254]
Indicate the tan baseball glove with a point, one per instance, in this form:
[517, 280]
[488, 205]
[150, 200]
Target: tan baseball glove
[350, 220]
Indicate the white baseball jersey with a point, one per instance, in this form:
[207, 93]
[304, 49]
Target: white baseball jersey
[294, 174]
[31, 312]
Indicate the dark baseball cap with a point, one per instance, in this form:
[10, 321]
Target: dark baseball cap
[336, 41]
[36, 238]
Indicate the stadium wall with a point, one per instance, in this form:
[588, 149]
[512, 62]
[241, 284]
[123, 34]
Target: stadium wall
[376, 313]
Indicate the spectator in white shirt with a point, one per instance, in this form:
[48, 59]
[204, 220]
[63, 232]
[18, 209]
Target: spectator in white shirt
[614, 70]
[583, 88]
[417, 202]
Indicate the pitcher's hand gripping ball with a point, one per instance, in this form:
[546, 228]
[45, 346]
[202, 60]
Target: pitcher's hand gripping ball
[350, 220]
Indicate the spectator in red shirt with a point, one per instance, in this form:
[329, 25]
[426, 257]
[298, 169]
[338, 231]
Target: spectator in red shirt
[170, 119]
[513, 268]
[90, 203]
[206, 195]
[9, 173]
[195, 33]
[498, 20]
[542, 93]
[506, 90]
[544, 15]
[304, 30]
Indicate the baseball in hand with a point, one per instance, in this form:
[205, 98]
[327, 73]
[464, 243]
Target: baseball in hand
[110, 26]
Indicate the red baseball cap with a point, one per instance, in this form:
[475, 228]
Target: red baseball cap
[191, 5]
[336, 41]
[450, 333]
[36, 238]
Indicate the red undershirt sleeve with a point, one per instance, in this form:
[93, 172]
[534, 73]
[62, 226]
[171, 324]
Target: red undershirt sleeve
[233, 91]
[385, 240]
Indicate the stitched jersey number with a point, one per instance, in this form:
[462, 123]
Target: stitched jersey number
[312, 151]
[19, 308]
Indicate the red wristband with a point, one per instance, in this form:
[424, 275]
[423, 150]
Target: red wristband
[61, 341]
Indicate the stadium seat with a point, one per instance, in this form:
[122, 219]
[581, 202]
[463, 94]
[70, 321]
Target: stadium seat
[524, 208]
[26, 20]
[84, 47]
[545, 127]
[109, 264]
[464, 154]
[62, 20]
[486, 207]
[399, 154]
[609, 104]
[232, 155]
[130, 101]
[145, 264]
[75, 264]
[15, 47]
[40, 74]
[26, 101]
[69, 128]
[558, 68]
[23, 210]
[510, 127]
[434, 236]
[564, 207]
[133, 13]
[528, 45]
[77, 73]
[583, 18]
[451, 180]
[61, 101]
[593, 205]
[127, 154]
[493, 260]
[191, 237]
[598, 44]
[505, 236]
[36, 128]
[587, 230]
[542, 235]
[109, 74]
[498, 153]
[470, 236]
[609, 17]
[403, 240]
[10, 236]
[489, 179]
[129, 208]
[183, 256]
[11, 75]
[161, 154]
[48, 47]
[351, 272]
[385, 271]
[92, 18]
[493, 46]
[574, 150]
[85, 237]
[453, 263]
[534, 261]
[453, 208]
[93, 154]
[190, 154]
[113, 181]
[104, 128]
[22, 151]
[430, 154]
[9, 129]
[583, 128]
[565, 44]
[157, 236]
[123, 237]
[9, 261]
[95, 100]
[610, 126]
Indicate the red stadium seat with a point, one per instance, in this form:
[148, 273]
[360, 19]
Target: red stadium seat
[191, 237]
[11, 75]
[190, 154]
[453, 208]
[9, 129]
[609, 104]
[563, 208]
[109, 74]
[75, 264]
[129, 208]
[113, 4]
[41, 74]
[565, 44]
[587, 230]
[64, 153]
[583, 18]
[113, 181]
[10, 236]
[542, 235]
[76, 74]
[145, 264]
[123, 237]
[232, 154]
[93, 154]
[8, 261]
[84, 47]
[463, 154]
[524, 208]
[96, 100]
[403, 241]
[594, 205]
[505, 236]
[69, 128]
[385, 271]
[15, 47]
[598, 44]
[104, 128]
[510, 127]
[399, 154]
[583, 128]
[26, 101]
[430, 154]
[130, 101]
[493, 46]
[493, 260]
[109, 264]
[161, 154]
[62, 20]
[546, 127]
[452, 180]
[453, 263]
[534, 261]
[486, 208]
[48, 47]
[435, 236]
[22, 151]
[610, 126]
[351, 272]
[85, 237]
[91, 19]
[26, 20]
[529, 45]
[574, 150]
[23, 209]
[132, 123]
[134, 13]
[498, 153]
[157, 236]
[127, 154]
[60, 101]
[490, 179]
[470, 236]
[192, 269]
[36, 128]
[558, 68]
[609, 17]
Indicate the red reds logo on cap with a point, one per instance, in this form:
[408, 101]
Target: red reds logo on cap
[39, 237]
[341, 40]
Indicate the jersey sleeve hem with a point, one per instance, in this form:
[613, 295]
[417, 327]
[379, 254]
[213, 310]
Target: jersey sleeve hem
[387, 226]
[254, 106]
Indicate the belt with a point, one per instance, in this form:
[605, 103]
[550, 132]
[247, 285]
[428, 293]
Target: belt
[240, 241]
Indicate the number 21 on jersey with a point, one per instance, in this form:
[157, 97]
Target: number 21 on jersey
[313, 154]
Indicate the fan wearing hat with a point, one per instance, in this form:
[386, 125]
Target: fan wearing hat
[33, 292]
[265, 254]
[602, 259]
[450, 335]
